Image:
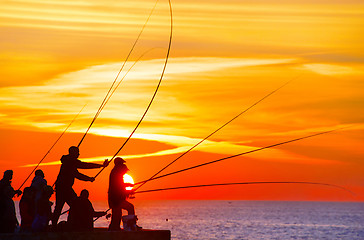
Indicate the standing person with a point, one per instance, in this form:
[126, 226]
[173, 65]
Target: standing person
[38, 183]
[43, 211]
[27, 209]
[118, 194]
[66, 177]
[6, 182]
[8, 220]
[81, 214]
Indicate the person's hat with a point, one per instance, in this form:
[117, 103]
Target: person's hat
[119, 160]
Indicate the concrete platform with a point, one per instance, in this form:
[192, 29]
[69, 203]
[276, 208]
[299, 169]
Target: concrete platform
[97, 234]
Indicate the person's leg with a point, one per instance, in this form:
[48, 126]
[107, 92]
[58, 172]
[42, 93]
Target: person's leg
[60, 201]
[128, 207]
[115, 219]
[70, 197]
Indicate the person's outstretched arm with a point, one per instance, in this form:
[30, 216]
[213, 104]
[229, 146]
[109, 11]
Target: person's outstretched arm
[86, 165]
[84, 177]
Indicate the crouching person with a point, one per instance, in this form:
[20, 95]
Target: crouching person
[82, 213]
[43, 211]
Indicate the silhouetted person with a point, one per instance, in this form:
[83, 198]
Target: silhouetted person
[6, 182]
[81, 214]
[7, 192]
[27, 209]
[8, 220]
[38, 183]
[43, 211]
[66, 178]
[118, 194]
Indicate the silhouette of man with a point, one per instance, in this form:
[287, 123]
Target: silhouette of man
[118, 194]
[38, 183]
[8, 221]
[66, 177]
[81, 213]
[6, 182]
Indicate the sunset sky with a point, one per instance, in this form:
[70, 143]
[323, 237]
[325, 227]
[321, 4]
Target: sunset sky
[58, 55]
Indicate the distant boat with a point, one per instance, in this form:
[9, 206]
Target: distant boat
[97, 234]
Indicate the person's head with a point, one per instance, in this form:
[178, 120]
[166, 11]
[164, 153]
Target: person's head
[74, 151]
[39, 173]
[8, 174]
[84, 194]
[29, 192]
[119, 161]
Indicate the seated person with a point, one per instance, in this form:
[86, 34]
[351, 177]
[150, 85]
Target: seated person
[43, 211]
[27, 209]
[81, 214]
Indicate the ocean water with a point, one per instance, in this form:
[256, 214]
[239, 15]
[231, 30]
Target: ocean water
[250, 219]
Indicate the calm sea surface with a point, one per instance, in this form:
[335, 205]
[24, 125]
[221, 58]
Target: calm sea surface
[250, 219]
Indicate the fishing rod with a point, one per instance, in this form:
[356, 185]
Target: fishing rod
[241, 113]
[244, 153]
[156, 90]
[241, 183]
[108, 95]
[246, 183]
[114, 90]
[135, 62]
[52, 147]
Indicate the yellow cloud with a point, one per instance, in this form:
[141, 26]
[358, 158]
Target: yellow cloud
[329, 69]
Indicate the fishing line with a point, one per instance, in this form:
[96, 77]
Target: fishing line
[115, 89]
[246, 183]
[156, 90]
[106, 99]
[244, 153]
[140, 57]
[52, 147]
[266, 96]
[241, 183]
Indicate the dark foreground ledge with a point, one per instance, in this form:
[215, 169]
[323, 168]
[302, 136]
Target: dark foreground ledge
[97, 234]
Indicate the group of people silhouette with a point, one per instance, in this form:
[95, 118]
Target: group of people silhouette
[36, 208]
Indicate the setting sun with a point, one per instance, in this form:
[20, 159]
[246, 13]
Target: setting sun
[128, 179]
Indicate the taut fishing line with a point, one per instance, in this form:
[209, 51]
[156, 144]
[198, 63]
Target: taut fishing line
[245, 183]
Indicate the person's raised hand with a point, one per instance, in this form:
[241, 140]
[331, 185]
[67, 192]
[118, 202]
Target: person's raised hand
[106, 163]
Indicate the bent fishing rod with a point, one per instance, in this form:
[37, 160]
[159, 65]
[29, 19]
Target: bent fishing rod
[109, 93]
[244, 153]
[247, 183]
[155, 92]
[189, 150]
[114, 90]
[54, 144]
